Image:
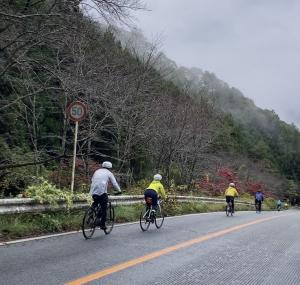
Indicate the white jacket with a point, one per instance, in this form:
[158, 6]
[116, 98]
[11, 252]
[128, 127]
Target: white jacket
[100, 181]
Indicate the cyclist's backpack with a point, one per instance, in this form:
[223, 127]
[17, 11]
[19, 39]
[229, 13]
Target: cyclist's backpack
[259, 196]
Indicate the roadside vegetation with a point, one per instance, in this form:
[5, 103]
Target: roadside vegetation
[28, 225]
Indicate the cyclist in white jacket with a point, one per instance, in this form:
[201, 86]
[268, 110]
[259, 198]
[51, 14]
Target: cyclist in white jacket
[99, 185]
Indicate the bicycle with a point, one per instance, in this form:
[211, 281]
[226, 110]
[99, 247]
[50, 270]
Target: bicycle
[228, 209]
[258, 205]
[150, 215]
[90, 220]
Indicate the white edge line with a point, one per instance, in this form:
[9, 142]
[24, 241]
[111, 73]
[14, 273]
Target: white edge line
[79, 231]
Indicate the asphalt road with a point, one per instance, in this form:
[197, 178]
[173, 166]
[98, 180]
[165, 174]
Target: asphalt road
[211, 248]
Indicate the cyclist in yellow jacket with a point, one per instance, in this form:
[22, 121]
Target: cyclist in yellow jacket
[230, 193]
[155, 189]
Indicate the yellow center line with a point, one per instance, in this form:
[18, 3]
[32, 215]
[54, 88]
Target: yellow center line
[124, 265]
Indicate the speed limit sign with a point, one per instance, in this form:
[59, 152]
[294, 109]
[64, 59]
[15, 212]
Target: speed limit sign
[77, 111]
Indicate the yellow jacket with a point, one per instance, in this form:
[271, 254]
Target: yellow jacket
[231, 191]
[158, 187]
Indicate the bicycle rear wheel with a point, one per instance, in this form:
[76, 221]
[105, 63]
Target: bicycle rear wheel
[230, 208]
[159, 217]
[144, 219]
[227, 210]
[89, 223]
[110, 219]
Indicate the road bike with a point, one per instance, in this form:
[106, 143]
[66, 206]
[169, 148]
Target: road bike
[258, 205]
[91, 221]
[228, 209]
[149, 215]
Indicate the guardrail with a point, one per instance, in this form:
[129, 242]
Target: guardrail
[29, 205]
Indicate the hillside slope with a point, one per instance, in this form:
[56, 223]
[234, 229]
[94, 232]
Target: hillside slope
[145, 114]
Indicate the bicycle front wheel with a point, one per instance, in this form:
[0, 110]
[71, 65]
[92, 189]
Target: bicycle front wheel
[159, 218]
[110, 219]
[89, 223]
[145, 219]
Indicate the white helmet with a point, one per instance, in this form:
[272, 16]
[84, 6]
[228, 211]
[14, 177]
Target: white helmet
[231, 184]
[157, 177]
[107, 164]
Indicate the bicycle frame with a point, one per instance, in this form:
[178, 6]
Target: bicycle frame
[149, 215]
[97, 211]
[149, 210]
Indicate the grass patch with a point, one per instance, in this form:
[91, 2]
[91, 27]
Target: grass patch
[200, 207]
[25, 225]
[127, 213]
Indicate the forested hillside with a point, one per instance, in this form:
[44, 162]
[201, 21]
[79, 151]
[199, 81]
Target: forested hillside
[262, 135]
[266, 136]
[51, 54]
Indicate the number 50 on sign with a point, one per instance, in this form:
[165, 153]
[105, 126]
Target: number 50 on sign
[77, 111]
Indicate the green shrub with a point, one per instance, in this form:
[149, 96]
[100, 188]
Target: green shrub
[138, 188]
[247, 197]
[43, 191]
[15, 180]
[269, 204]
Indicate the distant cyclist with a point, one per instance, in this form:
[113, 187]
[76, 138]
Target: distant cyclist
[230, 193]
[278, 205]
[259, 197]
[155, 189]
[100, 181]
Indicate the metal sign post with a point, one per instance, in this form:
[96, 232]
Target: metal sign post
[77, 112]
[74, 157]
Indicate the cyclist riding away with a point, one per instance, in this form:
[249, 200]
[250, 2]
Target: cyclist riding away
[230, 193]
[278, 205]
[259, 197]
[100, 181]
[154, 190]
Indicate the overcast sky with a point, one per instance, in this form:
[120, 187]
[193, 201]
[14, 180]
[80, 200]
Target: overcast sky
[253, 45]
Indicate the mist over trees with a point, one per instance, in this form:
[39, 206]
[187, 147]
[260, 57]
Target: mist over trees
[144, 114]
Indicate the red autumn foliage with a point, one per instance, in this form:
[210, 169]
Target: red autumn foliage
[227, 174]
[215, 184]
[254, 187]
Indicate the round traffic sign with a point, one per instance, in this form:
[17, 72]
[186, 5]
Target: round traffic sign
[77, 111]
